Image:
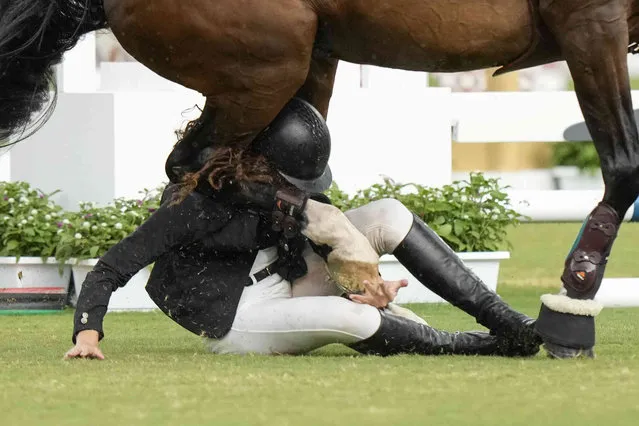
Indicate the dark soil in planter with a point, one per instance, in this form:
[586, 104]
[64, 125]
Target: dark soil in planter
[34, 298]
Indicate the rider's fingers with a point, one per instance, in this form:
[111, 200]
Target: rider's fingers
[97, 353]
[357, 298]
[394, 286]
[72, 353]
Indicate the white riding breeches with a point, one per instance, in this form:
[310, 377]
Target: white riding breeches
[277, 317]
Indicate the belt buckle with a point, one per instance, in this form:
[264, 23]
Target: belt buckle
[268, 271]
[253, 281]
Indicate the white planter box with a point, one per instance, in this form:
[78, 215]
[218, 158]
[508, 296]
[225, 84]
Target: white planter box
[33, 285]
[31, 272]
[484, 264]
[131, 297]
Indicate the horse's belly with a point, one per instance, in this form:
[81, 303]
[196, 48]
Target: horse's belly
[429, 35]
[209, 45]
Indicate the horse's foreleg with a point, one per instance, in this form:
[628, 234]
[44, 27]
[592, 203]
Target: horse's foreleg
[594, 40]
[240, 114]
[318, 87]
[251, 85]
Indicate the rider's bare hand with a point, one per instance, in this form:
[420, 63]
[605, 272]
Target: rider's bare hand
[381, 295]
[86, 346]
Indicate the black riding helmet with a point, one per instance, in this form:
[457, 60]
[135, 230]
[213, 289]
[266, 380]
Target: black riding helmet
[297, 143]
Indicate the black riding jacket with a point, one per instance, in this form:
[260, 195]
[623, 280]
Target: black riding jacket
[202, 250]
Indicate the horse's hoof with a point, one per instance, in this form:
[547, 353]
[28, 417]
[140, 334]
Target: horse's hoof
[563, 352]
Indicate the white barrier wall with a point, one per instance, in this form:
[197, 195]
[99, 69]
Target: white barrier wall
[71, 151]
[144, 135]
[113, 140]
[104, 145]
[77, 73]
[133, 77]
[100, 146]
[5, 164]
[401, 134]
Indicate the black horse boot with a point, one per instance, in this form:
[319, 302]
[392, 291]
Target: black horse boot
[399, 335]
[429, 259]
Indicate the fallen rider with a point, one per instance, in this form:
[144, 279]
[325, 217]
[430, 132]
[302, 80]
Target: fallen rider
[244, 277]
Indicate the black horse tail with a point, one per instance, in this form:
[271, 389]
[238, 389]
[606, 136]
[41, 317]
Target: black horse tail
[34, 34]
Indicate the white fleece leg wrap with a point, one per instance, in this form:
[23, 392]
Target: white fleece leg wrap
[564, 304]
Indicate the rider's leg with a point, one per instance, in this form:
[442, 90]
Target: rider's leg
[392, 228]
[268, 321]
[383, 228]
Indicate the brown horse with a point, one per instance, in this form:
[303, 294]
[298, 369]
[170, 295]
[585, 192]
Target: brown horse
[250, 57]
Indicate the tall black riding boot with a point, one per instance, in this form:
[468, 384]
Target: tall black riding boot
[429, 259]
[399, 335]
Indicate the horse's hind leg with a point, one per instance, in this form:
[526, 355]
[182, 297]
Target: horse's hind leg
[594, 42]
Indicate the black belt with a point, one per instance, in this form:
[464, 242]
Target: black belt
[260, 275]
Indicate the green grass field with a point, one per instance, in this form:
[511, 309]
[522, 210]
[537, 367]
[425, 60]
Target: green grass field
[158, 374]
[539, 251]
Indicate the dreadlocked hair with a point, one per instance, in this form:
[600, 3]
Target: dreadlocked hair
[228, 164]
[225, 164]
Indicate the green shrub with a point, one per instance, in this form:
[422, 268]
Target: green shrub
[583, 155]
[92, 231]
[469, 216]
[28, 221]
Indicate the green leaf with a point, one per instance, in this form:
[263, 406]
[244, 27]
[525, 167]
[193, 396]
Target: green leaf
[459, 227]
[94, 251]
[444, 230]
[439, 220]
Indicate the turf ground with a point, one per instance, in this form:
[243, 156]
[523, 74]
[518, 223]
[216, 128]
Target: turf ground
[158, 374]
